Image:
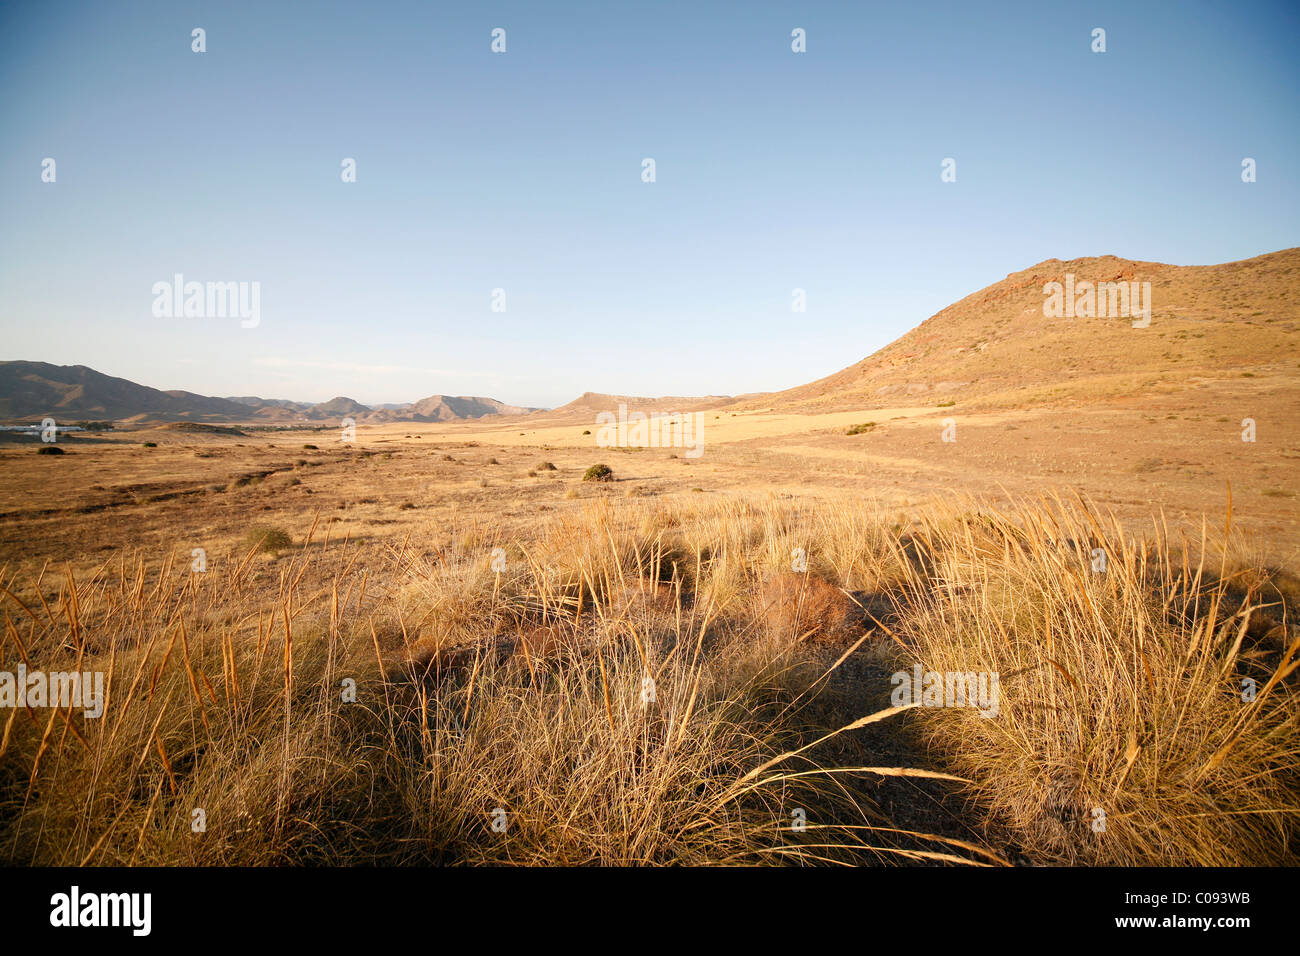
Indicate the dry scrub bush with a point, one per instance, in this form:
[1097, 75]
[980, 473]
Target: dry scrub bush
[1121, 690]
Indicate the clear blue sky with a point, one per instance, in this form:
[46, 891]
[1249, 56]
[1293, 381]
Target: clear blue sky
[522, 171]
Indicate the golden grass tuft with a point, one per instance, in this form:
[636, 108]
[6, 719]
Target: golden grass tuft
[1125, 735]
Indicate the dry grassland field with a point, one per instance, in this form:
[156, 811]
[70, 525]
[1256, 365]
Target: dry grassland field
[358, 645]
[574, 437]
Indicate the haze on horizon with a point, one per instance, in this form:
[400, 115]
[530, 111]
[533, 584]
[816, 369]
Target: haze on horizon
[522, 171]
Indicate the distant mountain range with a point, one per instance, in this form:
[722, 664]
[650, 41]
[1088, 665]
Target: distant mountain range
[35, 390]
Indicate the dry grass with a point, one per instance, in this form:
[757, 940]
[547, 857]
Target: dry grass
[220, 702]
[633, 683]
[1122, 688]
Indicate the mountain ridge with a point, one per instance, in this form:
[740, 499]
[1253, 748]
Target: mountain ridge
[30, 389]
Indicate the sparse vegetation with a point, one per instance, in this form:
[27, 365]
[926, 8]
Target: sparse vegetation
[598, 473]
[859, 429]
[268, 539]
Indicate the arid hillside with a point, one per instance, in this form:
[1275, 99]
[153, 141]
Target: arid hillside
[589, 404]
[1209, 325]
